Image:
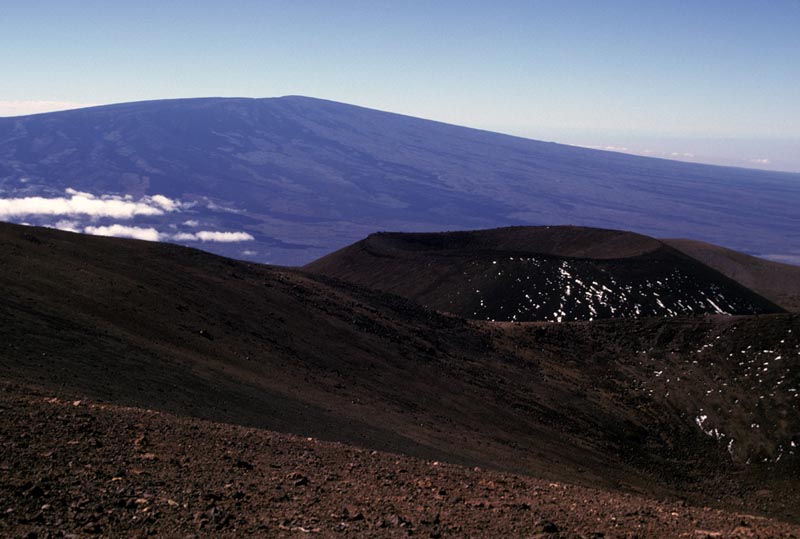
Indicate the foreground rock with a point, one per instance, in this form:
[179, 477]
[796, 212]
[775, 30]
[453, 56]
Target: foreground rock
[71, 468]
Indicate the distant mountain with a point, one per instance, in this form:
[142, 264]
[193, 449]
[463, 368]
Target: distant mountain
[540, 274]
[675, 406]
[287, 180]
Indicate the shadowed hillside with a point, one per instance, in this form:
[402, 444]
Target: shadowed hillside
[780, 283]
[540, 273]
[662, 407]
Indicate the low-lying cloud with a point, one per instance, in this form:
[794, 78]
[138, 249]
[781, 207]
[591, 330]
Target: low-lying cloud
[122, 231]
[67, 225]
[151, 234]
[87, 204]
[77, 206]
[212, 236]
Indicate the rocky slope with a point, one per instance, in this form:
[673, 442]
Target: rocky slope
[648, 406]
[780, 283]
[75, 468]
[540, 273]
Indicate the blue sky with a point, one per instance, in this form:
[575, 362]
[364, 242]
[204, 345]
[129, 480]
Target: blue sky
[714, 81]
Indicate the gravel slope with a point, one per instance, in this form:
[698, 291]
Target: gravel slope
[79, 469]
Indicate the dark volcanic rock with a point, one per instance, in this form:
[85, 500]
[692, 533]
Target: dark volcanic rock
[780, 283]
[540, 273]
[392, 496]
[704, 407]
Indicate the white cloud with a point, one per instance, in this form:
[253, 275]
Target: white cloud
[80, 203]
[71, 191]
[122, 231]
[167, 204]
[248, 252]
[67, 225]
[184, 236]
[207, 235]
[21, 108]
[212, 236]
[760, 161]
[151, 234]
[216, 207]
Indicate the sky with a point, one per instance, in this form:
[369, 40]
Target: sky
[709, 81]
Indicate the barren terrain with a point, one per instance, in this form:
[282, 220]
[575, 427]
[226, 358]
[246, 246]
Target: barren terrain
[654, 412]
[780, 283]
[74, 468]
[548, 273]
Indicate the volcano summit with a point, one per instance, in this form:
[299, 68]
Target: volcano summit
[287, 180]
[541, 274]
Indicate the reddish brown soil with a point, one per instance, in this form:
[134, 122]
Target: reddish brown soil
[77, 469]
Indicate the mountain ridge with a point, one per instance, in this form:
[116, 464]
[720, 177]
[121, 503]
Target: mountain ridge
[540, 273]
[311, 99]
[305, 176]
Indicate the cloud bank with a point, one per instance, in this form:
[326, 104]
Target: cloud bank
[77, 205]
[151, 234]
[87, 204]
[122, 231]
[209, 235]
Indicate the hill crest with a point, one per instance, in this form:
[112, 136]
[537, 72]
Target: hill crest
[540, 273]
[305, 176]
[565, 241]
